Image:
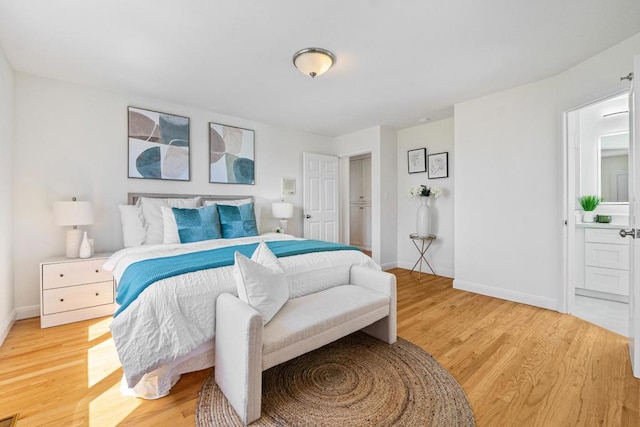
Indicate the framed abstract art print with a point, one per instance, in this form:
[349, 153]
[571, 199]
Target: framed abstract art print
[158, 145]
[231, 155]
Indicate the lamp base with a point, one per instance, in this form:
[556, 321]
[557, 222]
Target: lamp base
[74, 237]
[283, 225]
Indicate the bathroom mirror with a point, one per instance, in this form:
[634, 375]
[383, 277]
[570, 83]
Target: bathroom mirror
[613, 167]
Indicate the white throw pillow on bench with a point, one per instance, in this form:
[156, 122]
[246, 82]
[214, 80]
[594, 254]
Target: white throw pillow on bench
[261, 282]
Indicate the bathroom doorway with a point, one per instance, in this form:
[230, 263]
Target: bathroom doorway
[597, 257]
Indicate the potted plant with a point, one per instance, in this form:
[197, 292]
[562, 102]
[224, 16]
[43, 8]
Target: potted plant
[589, 204]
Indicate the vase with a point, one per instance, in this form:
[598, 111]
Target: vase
[85, 247]
[588, 216]
[423, 225]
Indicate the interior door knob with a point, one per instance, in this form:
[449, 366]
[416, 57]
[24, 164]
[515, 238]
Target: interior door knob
[307, 216]
[633, 233]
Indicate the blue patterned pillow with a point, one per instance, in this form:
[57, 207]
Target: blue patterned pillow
[237, 221]
[198, 224]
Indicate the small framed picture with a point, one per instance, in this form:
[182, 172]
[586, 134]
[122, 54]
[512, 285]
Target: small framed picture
[417, 160]
[439, 165]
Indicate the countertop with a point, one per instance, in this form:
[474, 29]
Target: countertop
[601, 225]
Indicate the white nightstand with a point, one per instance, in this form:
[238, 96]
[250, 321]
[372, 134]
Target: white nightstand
[74, 289]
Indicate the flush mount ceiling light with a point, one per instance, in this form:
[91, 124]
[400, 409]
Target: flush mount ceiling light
[313, 61]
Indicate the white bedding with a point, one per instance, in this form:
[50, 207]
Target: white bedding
[174, 316]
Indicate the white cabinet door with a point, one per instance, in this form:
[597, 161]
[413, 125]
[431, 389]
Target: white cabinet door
[606, 256]
[607, 280]
[355, 225]
[360, 181]
[578, 266]
[604, 235]
[366, 180]
[355, 181]
[366, 227]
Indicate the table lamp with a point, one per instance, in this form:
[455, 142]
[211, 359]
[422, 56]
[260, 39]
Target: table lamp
[282, 211]
[73, 214]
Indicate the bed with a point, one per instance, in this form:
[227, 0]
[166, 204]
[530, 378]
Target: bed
[168, 328]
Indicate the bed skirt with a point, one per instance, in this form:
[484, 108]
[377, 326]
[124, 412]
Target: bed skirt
[158, 383]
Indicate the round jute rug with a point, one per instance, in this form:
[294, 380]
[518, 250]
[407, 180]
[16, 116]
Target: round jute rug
[355, 381]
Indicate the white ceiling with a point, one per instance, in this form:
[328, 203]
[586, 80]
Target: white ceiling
[397, 61]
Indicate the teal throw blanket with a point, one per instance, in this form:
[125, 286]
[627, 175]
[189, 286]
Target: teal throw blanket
[139, 275]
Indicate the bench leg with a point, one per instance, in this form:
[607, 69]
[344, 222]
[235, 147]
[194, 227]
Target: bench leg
[238, 356]
[384, 329]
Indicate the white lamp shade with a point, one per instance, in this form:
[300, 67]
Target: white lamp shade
[73, 213]
[282, 210]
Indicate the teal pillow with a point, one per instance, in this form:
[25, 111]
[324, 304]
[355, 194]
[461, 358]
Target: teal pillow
[195, 225]
[237, 221]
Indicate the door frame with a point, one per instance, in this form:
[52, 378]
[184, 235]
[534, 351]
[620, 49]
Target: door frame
[345, 178]
[566, 303]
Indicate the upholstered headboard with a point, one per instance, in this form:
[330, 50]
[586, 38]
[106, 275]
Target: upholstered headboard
[132, 198]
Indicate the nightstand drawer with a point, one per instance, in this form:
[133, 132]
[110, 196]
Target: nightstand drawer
[76, 297]
[78, 272]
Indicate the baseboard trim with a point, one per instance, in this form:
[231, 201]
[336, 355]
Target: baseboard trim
[6, 325]
[27, 312]
[506, 294]
[445, 272]
[602, 295]
[388, 265]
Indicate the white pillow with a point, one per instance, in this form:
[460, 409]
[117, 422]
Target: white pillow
[153, 215]
[133, 232]
[238, 202]
[170, 227]
[261, 282]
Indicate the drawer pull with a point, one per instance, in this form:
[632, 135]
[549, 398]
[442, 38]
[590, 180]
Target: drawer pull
[61, 299]
[61, 275]
[97, 271]
[97, 293]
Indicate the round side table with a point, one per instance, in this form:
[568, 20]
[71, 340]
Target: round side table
[425, 244]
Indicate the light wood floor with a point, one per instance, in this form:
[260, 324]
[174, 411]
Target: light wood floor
[519, 365]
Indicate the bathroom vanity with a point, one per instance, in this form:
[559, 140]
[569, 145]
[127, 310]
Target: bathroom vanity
[602, 262]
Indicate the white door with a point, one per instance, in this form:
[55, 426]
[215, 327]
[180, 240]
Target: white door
[321, 210]
[634, 219]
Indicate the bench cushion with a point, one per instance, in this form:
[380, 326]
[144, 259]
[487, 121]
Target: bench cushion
[307, 316]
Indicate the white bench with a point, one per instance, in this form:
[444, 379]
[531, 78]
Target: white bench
[244, 347]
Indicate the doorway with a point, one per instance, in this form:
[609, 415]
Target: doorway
[598, 259]
[360, 202]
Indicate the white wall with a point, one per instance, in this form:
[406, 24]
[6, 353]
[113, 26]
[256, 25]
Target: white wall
[380, 142]
[72, 141]
[7, 313]
[436, 137]
[509, 184]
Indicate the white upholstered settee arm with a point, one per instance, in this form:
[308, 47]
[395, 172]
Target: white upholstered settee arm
[385, 329]
[238, 355]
